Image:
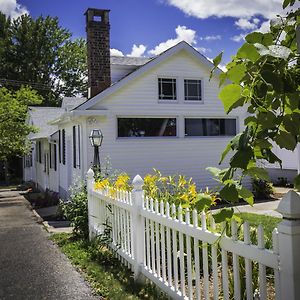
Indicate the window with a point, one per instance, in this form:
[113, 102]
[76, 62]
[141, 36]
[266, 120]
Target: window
[146, 127]
[63, 133]
[53, 157]
[59, 146]
[192, 90]
[28, 161]
[167, 88]
[210, 127]
[74, 147]
[39, 152]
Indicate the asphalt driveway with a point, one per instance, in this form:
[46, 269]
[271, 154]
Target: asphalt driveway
[31, 266]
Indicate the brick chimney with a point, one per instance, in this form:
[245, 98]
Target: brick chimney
[98, 50]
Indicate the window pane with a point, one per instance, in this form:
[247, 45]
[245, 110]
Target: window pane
[167, 88]
[146, 127]
[210, 127]
[192, 89]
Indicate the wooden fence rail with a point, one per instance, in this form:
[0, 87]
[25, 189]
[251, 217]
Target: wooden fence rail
[188, 256]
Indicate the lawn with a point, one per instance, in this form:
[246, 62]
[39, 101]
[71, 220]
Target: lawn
[268, 222]
[107, 276]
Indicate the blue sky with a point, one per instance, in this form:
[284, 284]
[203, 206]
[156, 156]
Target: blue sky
[154, 25]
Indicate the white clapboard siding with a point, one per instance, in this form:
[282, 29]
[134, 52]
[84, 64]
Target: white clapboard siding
[188, 156]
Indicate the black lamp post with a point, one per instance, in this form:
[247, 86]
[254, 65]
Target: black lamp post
[96, 138]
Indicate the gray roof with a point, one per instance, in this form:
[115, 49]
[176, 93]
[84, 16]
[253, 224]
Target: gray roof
[68, 103]
[129, 61]
[40, 117]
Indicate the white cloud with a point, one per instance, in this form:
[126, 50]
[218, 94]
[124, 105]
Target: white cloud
[230, 8]
[203, 50]
[182, 34]
[264, 27]
[238, 38]
[256, 21]
[116, 52]
[211, 37]
[245, 24]
[12, 9]
[137, 51]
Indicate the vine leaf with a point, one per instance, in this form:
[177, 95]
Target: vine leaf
[259, 173]
[229, 95]
[223, 215]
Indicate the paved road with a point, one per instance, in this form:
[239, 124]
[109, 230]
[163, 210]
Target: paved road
[31, 266]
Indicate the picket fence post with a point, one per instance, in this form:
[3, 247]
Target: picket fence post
[90, 185]
[289, 246]
[137, 226]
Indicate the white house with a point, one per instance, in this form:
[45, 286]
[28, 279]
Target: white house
[160, 112]
[41, 165]
[290, 165]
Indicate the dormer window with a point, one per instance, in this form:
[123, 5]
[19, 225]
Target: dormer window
[167, 88]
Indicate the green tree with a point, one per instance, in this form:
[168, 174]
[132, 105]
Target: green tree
[40, 53]
[265, 78]
[13, 128]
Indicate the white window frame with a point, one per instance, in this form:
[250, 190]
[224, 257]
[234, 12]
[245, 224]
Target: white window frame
[202, 90]
[147, 117]
[237, 127]
[176, 100]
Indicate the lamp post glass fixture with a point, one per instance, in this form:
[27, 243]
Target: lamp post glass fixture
[96, 138]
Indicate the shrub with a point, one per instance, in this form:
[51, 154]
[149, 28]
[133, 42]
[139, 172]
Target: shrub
[262, 189]
[76, 209]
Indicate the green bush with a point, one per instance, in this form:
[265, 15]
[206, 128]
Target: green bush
[76, 209]
[262, 189]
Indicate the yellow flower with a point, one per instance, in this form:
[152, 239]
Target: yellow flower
[102, 184]
[122, 183]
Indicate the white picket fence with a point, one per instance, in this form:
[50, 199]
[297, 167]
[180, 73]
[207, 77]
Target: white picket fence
[186, 255]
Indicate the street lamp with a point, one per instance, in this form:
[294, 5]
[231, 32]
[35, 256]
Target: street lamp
[96, 138]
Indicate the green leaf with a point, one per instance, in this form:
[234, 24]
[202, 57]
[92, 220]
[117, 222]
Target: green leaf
[254, 37]
[229, 95]
[241, 158]
[285, 3]
[217, 59]
[236, 73]
[214, 171]
[225, 152]
[297, 182]
[259, 173]
[248, 51]
[223, 215]
[246, 195]
[286, 140]
[229, 193]
[203, 201]
[216, 62]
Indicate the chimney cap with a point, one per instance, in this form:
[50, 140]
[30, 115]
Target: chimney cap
[96, 11]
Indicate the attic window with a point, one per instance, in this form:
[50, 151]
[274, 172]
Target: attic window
[167, 88]
[192, 90]
[97, 18]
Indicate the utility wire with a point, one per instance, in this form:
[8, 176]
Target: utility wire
[39, 86]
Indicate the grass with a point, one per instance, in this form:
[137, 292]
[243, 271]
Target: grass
[3, 187]
[107, 276]
[268, 223]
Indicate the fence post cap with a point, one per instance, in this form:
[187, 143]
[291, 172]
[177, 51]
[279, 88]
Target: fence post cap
[137, 182]
[289, 206]
[90, 174]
